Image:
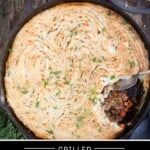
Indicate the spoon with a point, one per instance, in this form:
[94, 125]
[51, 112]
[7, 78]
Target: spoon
[128, 81]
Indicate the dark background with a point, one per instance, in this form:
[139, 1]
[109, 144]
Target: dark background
[10, 12]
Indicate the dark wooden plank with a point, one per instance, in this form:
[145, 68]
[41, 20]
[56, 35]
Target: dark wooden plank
[10, 11]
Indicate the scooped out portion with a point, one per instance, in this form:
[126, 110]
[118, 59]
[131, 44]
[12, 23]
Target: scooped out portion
[61, 68]
[121, 106]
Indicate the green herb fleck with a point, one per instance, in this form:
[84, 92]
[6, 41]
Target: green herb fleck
[94, 91]
[37, 104]
[87, 112]
[73, 33]
[100, 129]
[50, 131]
[56, 72]
[79, 121]
[40, 37]
[110, 37]
[124, 22]
[68, 43]
[94, 100]
[113, 77]
[56, 83]
[55, 107]
[79, 109]
[24, 90]
[58, 93]
[132, 64]
[66, 81]
[10, 49]
[93, 97]
[79, 25]
[86, 32]
[94, 59]
[100, 61]
[103, 29]
[51, 30]
[45, 83]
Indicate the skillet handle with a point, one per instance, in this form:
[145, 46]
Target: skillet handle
[140, 9]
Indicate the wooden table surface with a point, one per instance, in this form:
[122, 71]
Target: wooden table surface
[12, 10]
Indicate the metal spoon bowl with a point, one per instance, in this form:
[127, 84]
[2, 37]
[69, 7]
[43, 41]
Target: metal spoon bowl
[124, 83]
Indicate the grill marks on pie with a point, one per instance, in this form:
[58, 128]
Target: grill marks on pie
[59, 64]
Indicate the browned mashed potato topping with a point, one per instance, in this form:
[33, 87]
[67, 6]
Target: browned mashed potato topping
[60, 62]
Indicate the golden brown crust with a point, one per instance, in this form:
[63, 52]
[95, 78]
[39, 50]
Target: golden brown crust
[60, 62]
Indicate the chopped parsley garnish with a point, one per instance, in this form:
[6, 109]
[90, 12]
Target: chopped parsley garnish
[50, 131]
[66, 81]
[79, 121]
[94, 96]
[109, 37]
[37, 104]
[132, 64]
[94, 91]
[94, 59]
[87, 112]
[58, 92]
[45, 83]
[51, 30]
[68, 43]
[113, 77]
[40, 37]
[104, 29]
[94, 100]
[24, 90]
[100, 61]
[56, 72]
[73, 33]
[55, 107]
[56, 83]
[79, 25]
[124, 22]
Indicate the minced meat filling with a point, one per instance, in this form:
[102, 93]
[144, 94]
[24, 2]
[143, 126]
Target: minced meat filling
[120, 103]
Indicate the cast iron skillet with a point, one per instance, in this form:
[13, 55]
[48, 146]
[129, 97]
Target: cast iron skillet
[136, 118]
